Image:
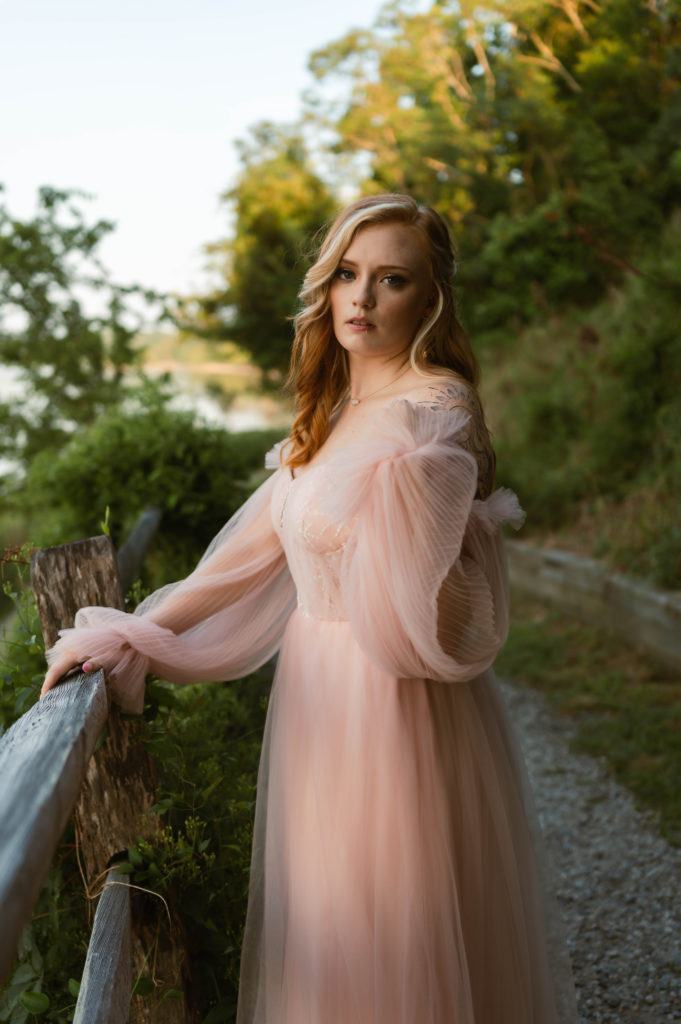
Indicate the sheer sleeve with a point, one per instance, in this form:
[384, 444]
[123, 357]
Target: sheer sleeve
[222, 622]
[423, 575]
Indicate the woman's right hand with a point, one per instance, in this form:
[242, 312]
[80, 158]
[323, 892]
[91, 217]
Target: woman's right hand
[66, 660]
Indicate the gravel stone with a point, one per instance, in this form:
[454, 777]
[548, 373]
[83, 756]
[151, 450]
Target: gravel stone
[617, 882]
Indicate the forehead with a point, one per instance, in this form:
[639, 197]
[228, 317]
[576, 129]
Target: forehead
[387, 244]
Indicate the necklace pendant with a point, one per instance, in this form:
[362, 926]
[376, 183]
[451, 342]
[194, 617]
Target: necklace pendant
[354, 401]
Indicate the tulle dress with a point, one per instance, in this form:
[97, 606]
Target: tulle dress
[393, 875]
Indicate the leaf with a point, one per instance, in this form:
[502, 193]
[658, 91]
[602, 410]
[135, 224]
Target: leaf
[207, 792]
[35, 1002]
[125, 868]
[74, 987]
[135, 856]
[163, 805]
[224, 1011]
[143, 987]
[23, 974]
[172, 993]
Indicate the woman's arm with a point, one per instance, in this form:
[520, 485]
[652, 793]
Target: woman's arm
[221, 622]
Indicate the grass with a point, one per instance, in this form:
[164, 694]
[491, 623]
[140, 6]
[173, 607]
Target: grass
[627, 709]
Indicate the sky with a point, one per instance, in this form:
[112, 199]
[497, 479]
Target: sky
[139, 102]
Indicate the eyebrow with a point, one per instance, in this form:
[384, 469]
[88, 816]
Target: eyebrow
[383, 266]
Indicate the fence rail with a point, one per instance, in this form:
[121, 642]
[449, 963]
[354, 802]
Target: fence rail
[48, 766]
[43, 759]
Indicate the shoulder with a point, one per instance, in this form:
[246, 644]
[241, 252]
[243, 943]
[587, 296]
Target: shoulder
[445, 393]
[456, 396]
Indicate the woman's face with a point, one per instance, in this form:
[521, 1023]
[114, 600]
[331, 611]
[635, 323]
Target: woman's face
[381, 291]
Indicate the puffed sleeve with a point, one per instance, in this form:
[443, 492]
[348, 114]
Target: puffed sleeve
[423, 575]
[222, 622]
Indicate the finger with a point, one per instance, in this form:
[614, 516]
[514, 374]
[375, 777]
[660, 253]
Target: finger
[57, 670]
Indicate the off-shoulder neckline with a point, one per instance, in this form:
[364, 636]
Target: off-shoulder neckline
[392, 403]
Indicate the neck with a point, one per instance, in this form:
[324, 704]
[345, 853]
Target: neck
[370, 375]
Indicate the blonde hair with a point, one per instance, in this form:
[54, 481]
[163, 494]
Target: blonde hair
[319, 372]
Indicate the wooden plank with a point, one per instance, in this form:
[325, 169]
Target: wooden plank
[132, 553]
[104, 996]
[43, 758]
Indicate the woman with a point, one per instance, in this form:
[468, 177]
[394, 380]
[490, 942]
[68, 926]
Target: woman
[393, 879]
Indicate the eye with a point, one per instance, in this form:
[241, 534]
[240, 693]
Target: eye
[344, 274]
[394, 280]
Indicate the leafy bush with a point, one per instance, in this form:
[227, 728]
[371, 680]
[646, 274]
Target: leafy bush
[140, 454]
[587, 419]
[206, 742]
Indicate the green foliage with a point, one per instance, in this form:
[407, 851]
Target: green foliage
[206, 742]
[588, 419]
[70, 361]
[546, 133]
[139, 454]
[22, 651]
[279, 203]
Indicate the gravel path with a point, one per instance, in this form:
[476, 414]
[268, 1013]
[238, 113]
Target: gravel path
[619, 884]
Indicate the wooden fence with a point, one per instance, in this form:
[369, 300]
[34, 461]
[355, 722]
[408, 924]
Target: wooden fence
[50, 769]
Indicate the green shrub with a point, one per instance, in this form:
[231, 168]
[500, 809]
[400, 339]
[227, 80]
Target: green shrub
[141, 454]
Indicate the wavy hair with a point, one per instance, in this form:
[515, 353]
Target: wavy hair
[319, 372]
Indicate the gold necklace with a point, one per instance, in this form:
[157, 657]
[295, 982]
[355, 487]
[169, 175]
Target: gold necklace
[356, 401]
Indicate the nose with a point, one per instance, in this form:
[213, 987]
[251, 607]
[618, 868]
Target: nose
[364, 293]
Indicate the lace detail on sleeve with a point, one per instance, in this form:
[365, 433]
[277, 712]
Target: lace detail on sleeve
[474, 437]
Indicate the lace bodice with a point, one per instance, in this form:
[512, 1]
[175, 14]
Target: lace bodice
[314, 543]
[474, 436]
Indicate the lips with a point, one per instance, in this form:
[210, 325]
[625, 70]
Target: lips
[360, 321]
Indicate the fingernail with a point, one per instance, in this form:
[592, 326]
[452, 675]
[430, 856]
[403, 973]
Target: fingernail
[86, 666]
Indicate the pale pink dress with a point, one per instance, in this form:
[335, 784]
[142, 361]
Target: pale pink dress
[393, 877]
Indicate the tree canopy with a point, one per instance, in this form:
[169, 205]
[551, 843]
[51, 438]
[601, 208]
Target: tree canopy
[279, 203]
[66, 331]
[547, 133]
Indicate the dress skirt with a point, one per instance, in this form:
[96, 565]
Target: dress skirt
[393, 877]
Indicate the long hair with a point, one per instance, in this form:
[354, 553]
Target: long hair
[319, 372]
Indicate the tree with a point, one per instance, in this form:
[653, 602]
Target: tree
[69, 362]
[279, 205]
[546, 133]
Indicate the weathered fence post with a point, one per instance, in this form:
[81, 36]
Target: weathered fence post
[105, 988]
[114, 808]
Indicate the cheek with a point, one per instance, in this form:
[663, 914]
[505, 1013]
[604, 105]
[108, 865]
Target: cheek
[334, 301]
[408, 312]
